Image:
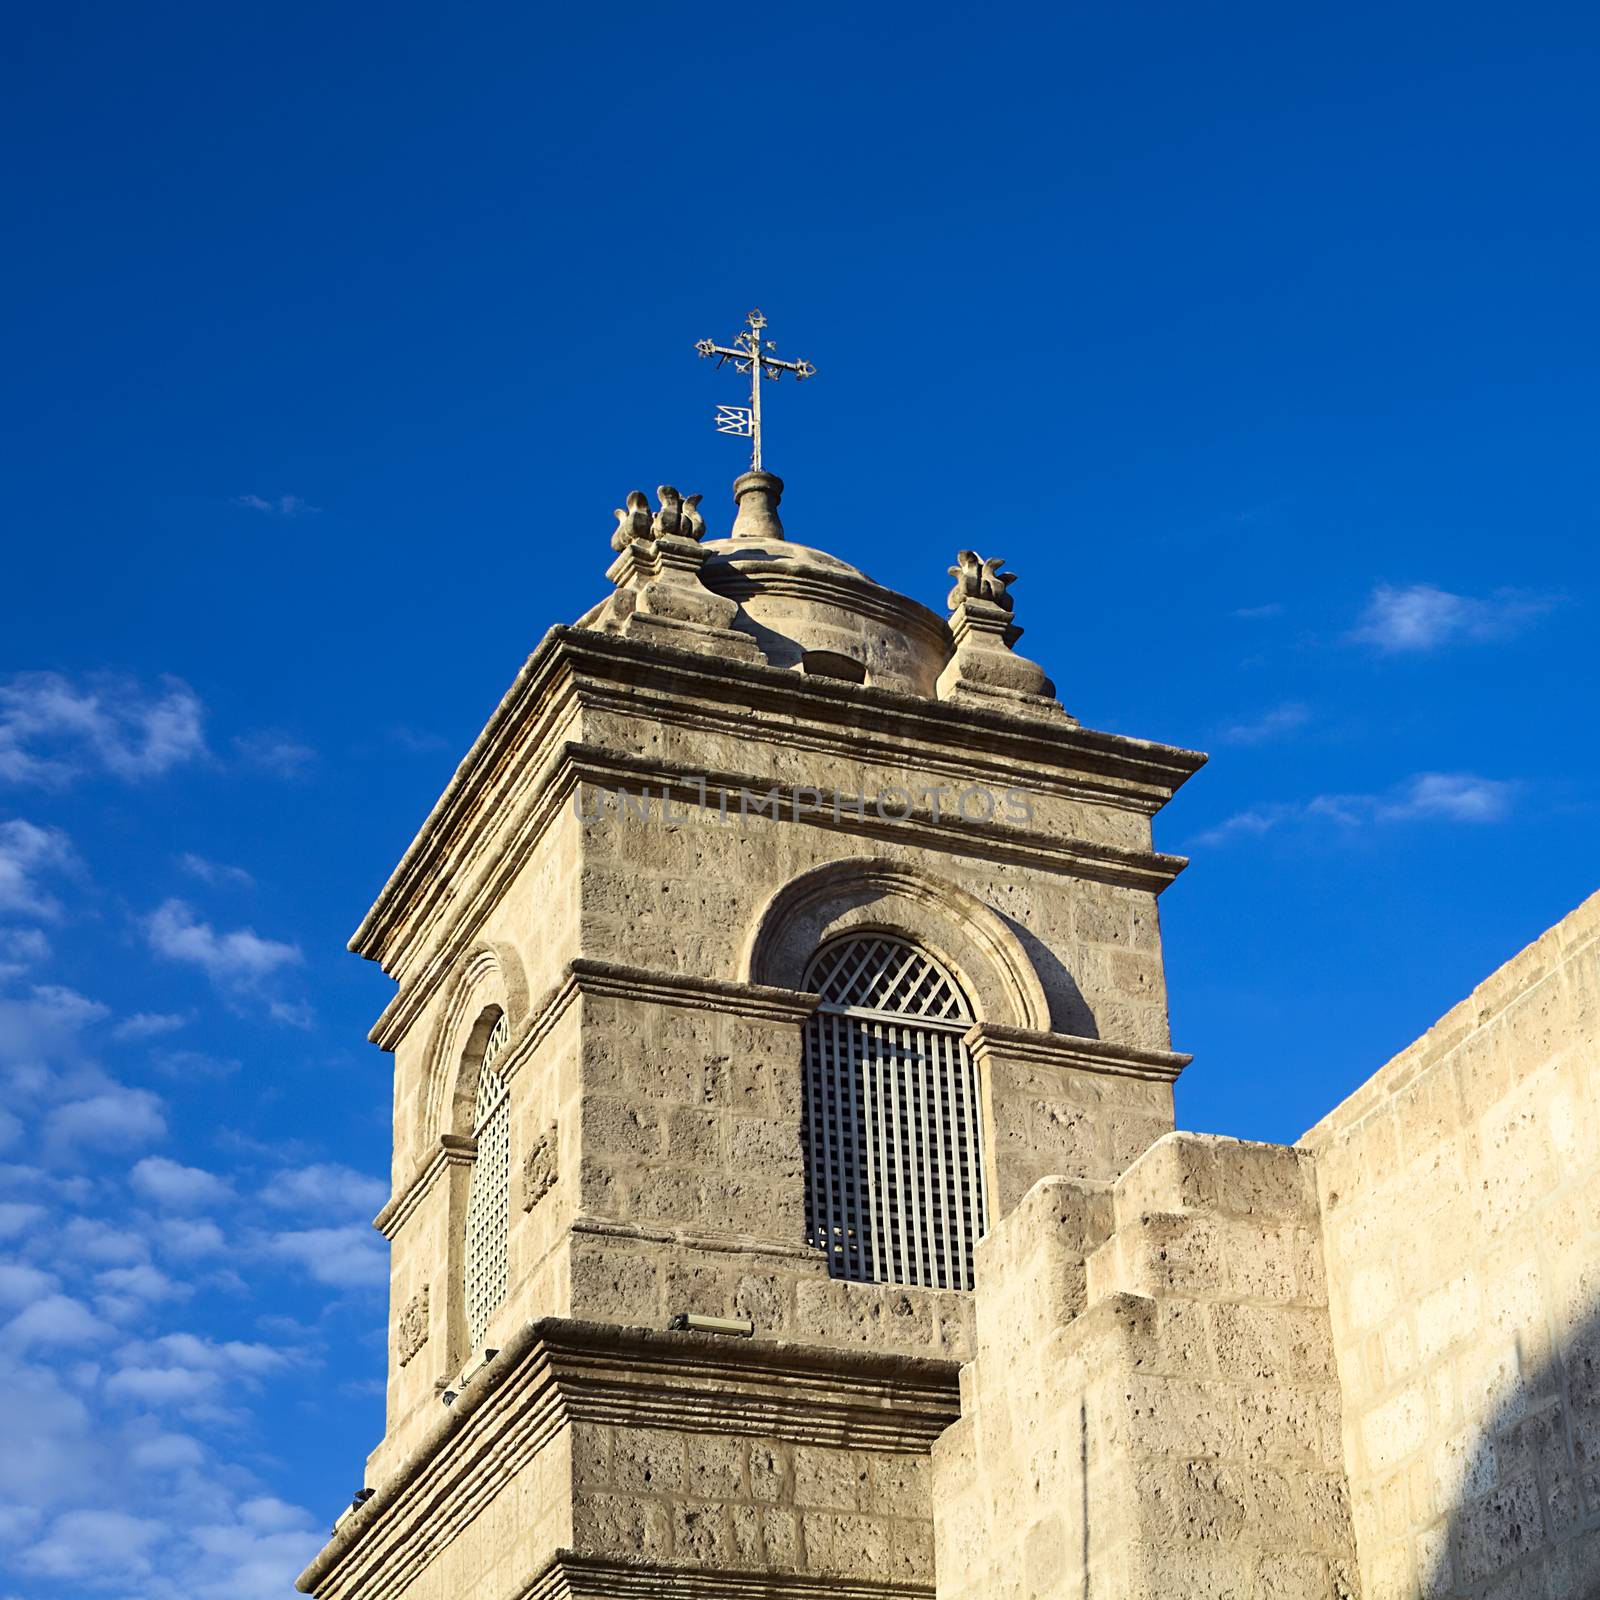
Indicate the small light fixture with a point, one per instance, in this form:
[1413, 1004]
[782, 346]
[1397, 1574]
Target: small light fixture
[691, 1322]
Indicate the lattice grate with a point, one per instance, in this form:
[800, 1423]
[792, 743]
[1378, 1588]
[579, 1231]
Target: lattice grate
[893, 1141]
[489, 1194]
[880, 974]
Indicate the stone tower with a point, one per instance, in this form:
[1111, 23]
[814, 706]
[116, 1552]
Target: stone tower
[770, 943]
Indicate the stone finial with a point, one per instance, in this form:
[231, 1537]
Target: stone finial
[659, 595]
[678, 518]
[983, 668]
[977, 579]
[757, 495]
[634, 523]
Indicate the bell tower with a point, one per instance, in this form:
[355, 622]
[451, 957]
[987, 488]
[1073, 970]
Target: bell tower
[771, 941]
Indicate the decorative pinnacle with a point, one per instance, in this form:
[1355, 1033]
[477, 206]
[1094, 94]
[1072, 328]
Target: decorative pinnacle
[749, 352]
[977, 579]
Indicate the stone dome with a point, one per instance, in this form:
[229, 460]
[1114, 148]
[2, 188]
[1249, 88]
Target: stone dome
[811, 612]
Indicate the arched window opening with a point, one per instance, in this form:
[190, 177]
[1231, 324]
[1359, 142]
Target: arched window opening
[893, 1143]
[489, 1194]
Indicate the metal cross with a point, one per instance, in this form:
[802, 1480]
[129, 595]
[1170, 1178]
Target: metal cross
[748, 353]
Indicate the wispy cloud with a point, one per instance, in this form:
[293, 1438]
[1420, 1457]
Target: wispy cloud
[234, 960]
[1272, 608]
[350, 1257]
[272, 750]
[44, 1023]
[285, 505]
[171, 1184]
[1456, 797]
[27, 852]
[149, 1025]
[53, 730]
[326, 1190]
[215, 873]
[241, 964]
[1419, 617]
[1271, 724]
[116, 1118]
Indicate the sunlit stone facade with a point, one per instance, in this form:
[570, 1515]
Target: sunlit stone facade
[1188, 1367]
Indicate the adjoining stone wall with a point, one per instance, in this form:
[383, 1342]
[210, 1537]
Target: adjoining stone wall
[1152, 1413]
[1461, 1199]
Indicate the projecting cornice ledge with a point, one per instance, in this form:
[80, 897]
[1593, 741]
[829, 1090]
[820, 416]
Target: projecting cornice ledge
[559, 1370]
[572, 1576]
[617, 980]
[989, 1041]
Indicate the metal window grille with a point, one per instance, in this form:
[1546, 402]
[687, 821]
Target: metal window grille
[489, 1194]
[893, 1143]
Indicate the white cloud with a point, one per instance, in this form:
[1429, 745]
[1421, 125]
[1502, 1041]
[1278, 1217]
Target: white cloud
[1419, 617]
[1268, 725]
[55, 1320]
[215, 873]
[149, 1024]
[326, 1189]
[169, 1183]
[45, 1023]
[17, 1217]
[193, 1065]
[167, 1452]
[286, 505]
[127, 1286]
[184, 1369]
[1259, 613]
[96, 1241]
[26, 853]
[349, 1257]
[117, 1118]
[21, 948]
[191, 1236]
[52, 730]
[276, 752]
[20, 1285]
[1460, 797]
[90, 1544]
[237, 960]
[240, 963]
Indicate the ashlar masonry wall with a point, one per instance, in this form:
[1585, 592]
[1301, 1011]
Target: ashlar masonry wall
[1152, 1413]
[1460, 1191]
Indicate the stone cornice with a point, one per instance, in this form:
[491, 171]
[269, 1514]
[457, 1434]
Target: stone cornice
[1068, 1051]
[571, 1576]
[557, 1370]
[575, 764]
[573, 665]
[617, 979]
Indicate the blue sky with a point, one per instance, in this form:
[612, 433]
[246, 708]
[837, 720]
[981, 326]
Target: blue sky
[1259, 339]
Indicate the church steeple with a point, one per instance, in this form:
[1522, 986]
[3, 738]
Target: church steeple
[769, 907]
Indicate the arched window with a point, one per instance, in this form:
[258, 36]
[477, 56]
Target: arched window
[489, 1195]
[893, 1142]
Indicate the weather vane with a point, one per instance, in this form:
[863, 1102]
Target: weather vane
[749, 353]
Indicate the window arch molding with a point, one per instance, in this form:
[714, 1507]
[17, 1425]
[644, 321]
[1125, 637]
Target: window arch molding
[489, 982]
[873, 895]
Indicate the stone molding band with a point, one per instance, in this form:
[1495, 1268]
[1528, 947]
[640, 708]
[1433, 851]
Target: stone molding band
[571, 1576]
[548, 682]
[557, 1370]
[988, 1040]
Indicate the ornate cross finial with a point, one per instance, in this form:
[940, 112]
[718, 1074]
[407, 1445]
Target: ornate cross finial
[749, 353]
[977, 579]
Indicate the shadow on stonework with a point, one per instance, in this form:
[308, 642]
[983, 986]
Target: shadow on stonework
[1069, 1011]
[1526, 1489]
